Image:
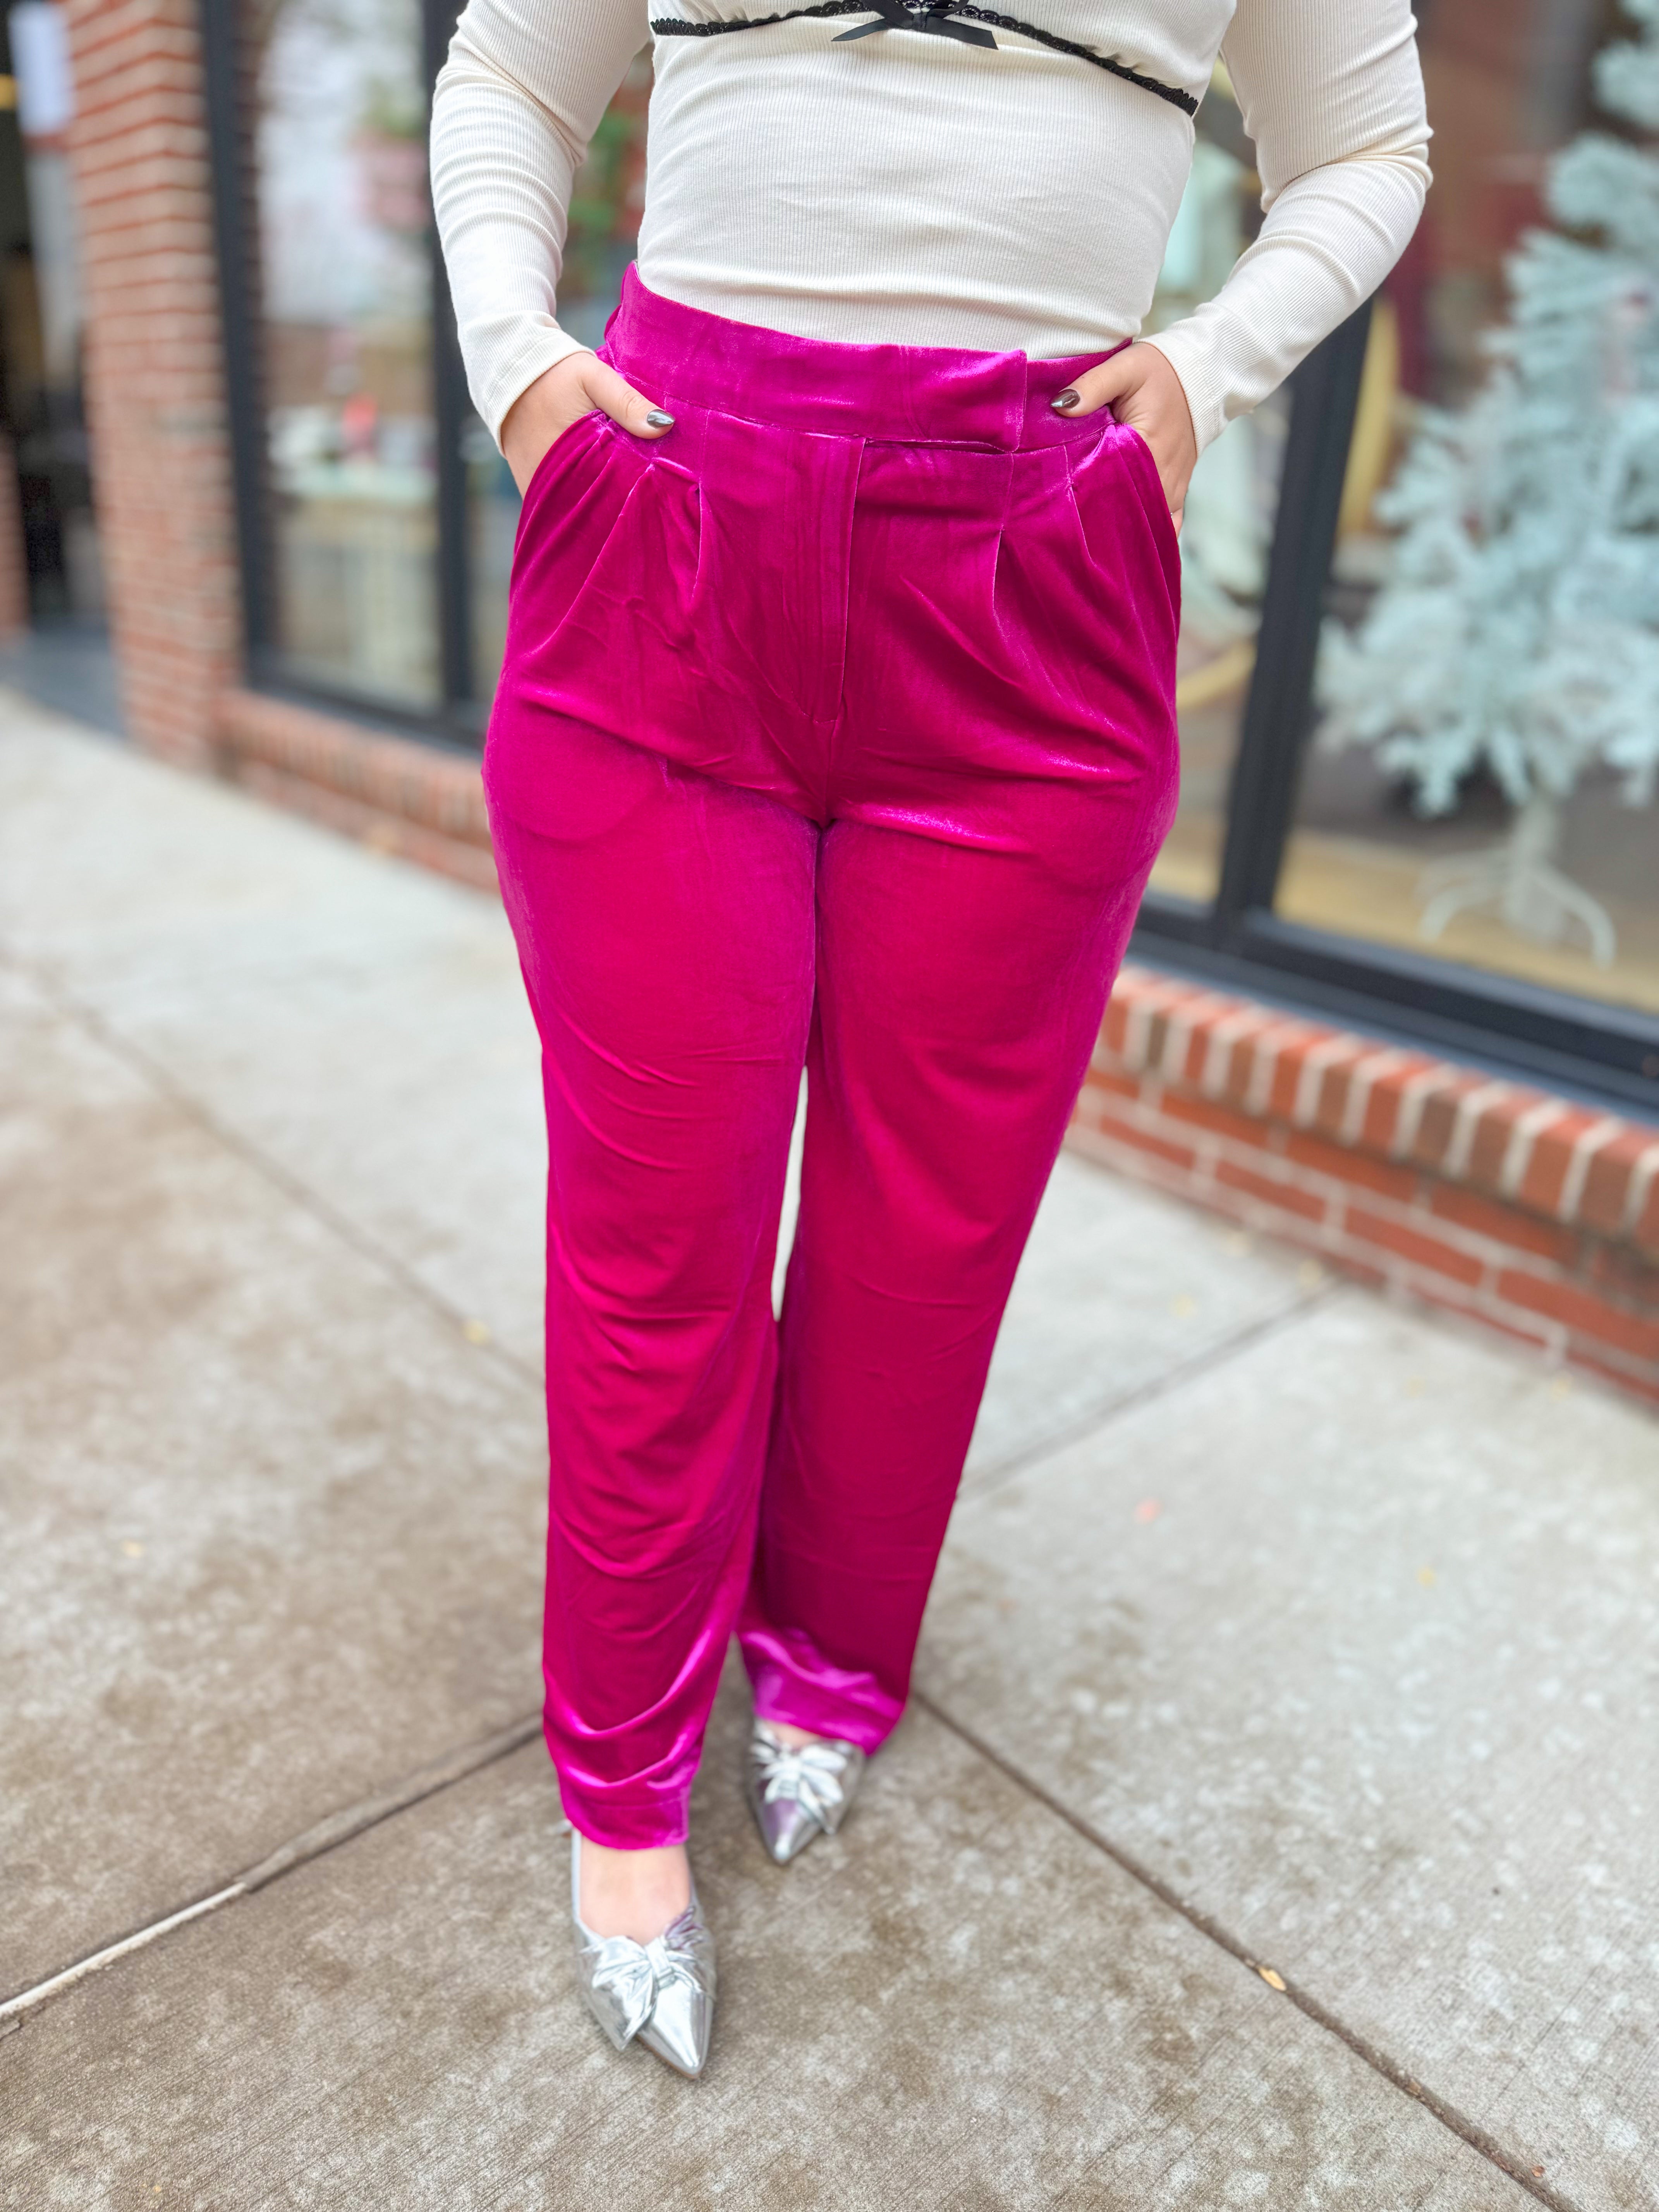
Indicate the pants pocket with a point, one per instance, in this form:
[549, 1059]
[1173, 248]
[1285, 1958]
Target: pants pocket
[1115, 487]
[602, 618]
[612, 522]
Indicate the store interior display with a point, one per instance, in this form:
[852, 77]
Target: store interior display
[1515, 633]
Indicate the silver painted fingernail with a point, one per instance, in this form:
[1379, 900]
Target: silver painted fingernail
[658, 421]
[1067, 401]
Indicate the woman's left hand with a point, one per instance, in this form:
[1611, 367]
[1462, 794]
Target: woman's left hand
[1142, 389]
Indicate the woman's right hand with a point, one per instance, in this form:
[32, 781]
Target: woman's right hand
[562, 395]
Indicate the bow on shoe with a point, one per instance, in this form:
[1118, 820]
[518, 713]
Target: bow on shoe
[627, 1979]
[810, 1775]
[925, 15]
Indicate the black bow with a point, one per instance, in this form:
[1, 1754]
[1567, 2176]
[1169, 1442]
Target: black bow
[922, 16]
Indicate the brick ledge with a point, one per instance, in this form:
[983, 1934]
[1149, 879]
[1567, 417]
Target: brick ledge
[393, 793]
[1537, 1217]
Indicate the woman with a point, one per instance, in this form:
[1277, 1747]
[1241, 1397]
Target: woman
[836, 730]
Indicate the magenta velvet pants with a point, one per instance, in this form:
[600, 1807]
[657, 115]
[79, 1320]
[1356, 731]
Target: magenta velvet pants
[836, 731]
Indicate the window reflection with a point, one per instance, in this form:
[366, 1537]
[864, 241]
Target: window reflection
[1482, 781]
[345, 289]
[1230, 507]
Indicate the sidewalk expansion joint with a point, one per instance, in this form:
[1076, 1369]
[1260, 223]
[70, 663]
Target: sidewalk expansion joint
[1379, 2061]
[1105, 1411]
[325, 1835]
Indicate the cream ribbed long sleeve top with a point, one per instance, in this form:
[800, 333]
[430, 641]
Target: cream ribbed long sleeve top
[910, 189]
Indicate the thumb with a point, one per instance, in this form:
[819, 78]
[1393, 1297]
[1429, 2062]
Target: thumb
[1107, 382]
[622, 403]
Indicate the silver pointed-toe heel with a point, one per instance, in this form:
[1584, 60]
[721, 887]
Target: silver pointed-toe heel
[798, 1794]
[661, 1993]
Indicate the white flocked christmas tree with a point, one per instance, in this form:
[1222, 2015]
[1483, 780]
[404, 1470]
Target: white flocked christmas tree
[1518, 627]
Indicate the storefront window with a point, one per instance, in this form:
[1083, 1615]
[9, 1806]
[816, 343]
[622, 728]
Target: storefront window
[1481, 781]
[344, 303]
[1227, 526]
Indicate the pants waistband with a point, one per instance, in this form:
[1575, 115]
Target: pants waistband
[915, 395]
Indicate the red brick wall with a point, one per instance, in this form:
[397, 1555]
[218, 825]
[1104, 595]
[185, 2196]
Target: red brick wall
[154, 372]
[1524, 1212]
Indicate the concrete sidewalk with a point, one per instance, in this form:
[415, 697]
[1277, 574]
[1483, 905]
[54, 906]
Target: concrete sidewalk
[1275, 1823]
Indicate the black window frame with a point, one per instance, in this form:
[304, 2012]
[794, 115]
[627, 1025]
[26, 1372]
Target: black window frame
[1592, 1048]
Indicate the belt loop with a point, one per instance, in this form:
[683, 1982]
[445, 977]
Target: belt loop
[1017, 443]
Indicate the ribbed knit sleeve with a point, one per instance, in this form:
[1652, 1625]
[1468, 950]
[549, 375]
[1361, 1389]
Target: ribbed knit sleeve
[516, 103]
[1331, 92]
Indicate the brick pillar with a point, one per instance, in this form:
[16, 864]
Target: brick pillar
[154, 366]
